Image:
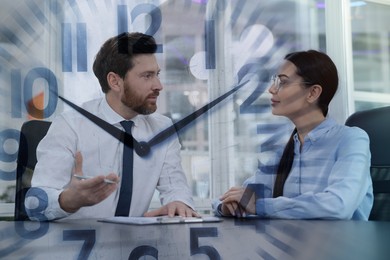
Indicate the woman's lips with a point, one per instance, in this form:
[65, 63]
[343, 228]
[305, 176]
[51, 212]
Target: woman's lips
[274, 102]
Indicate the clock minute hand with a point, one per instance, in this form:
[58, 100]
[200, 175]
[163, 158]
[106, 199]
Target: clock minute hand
[191, 117]
[143, 148]
[140, 148]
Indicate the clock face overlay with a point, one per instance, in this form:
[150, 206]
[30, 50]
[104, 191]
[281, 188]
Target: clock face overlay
[216, 59]
[206, 49]
[220, 53]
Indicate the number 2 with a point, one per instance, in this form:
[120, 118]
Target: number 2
[150, 9]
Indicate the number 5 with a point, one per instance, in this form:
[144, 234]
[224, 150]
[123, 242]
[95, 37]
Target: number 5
[210, 251]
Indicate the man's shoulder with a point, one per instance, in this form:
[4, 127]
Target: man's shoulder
[73, 117]
[93, 104]
[158, 119]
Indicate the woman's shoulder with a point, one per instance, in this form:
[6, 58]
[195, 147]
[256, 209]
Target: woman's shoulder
[353, 131]
[344, 131]
[352, 135]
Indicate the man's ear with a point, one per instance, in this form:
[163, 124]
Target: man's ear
[114, 81]
[314, 93]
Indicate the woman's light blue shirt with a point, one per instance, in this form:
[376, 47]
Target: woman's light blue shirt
[330, 177]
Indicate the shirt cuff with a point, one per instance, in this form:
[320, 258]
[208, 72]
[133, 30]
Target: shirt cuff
[217, 208]
[54, 210]
[263, 207]
[42, 204]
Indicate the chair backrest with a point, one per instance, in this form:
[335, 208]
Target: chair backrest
[31, 134]
[376, 122]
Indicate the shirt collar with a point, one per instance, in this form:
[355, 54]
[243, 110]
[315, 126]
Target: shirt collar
[319, 130]
[111, 116]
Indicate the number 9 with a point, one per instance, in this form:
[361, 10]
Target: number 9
[5, 156]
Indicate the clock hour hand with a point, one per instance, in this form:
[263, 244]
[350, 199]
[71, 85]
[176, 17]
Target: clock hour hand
[191, 117]
[141, 148]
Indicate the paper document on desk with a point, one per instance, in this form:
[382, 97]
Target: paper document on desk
[160, 220]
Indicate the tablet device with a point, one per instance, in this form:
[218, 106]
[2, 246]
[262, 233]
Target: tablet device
[160, 220]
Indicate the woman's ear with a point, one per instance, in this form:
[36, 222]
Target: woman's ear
[114, 81]
[314, 93]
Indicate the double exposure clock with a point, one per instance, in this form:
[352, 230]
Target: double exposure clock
[222, 50]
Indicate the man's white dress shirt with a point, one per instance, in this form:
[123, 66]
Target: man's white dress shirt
[102, 154]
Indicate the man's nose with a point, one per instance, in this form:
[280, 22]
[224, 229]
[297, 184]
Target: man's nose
[157, 84]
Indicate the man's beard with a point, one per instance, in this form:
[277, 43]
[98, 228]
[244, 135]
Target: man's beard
[134, 102]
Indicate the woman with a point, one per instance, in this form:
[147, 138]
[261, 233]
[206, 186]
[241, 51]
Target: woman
[324, 170]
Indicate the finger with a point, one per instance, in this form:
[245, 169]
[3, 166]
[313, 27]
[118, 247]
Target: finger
[234, 189]
[78, 166]
[95, 183]
[188, 212]
[232, 192]
[230, 208]
[236, 209]
[113, 177]
[181, 211]
[231, 199]
[250, 206]
[105, 192]
[171, 209]
[226, 194]
[154, 213]
[193, 213]
[94, 197]
[240, 210]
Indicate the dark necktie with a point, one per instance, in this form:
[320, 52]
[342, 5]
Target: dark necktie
[123, 207]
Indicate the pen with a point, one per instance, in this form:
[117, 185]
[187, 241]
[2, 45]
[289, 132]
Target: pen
[82, 177]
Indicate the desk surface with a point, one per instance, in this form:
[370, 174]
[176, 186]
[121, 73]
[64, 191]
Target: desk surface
[230, 239]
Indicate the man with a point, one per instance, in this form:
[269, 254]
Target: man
[128, 73]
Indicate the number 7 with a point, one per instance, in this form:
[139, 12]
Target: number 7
[89, 237]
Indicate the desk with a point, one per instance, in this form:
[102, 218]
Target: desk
[230, 239]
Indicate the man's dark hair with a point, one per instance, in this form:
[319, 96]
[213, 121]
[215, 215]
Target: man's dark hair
[117, 53]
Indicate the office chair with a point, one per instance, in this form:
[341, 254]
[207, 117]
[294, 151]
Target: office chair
[376, 122]
[31, 134]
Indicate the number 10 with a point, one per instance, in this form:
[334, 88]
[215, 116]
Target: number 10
[27, 89]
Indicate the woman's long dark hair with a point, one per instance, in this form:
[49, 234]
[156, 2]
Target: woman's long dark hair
[315, 68]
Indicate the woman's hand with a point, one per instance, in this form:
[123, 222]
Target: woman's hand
[239, 202]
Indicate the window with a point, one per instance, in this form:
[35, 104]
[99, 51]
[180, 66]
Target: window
[371, 54]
